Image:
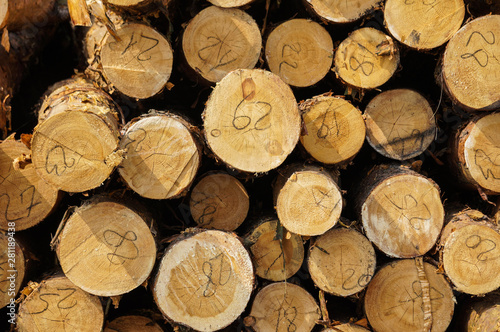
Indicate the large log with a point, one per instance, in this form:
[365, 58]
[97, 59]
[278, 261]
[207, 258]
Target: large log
[204, 280]
[219, 40]
[132, 323]
[338, 11]
[74, 148]
[251, 120]
[25, 199]
[481, 314]
[161, 155]
[470, 64]
[409, 295]
[15, 14]
[106, 248]
[423, 24]
[56, 304]
[401, 211]
[299, 51]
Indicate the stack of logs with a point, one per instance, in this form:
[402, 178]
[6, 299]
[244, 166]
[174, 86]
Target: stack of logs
[206, 166]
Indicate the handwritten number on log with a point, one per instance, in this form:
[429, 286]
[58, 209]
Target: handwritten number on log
[480, 55]
[223, 57]
[141, 56]
[474, 241]
[61, 162]
[222, 275]
[489, 169]
[242, 121]
[365, 66]
[294, 49]
[117, 242]
[27, 195]
[60, 305]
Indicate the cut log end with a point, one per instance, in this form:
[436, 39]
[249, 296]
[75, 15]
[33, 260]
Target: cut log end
[230, 3]
[283, 307]
[57, 304]
[398, 295]
[251, 120]
[13, 268]
[346, 328]
[342, 262]
[204, 280]
[219, 201]
[161, 156]
[275, 258]
[470, 259]
[106, 249]
[220, 40]
[423, 24]
[335, 129]
[470, 68]
[140, 63]
[400, 124]
[309, 203]
[133, 323]
[25, 199]
[366, 59]
[403, 214]
[339, 11]
[300, 51]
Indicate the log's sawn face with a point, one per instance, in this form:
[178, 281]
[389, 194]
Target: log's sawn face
[11, 264]
[341, 11]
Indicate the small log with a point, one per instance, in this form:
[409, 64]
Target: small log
[74, 148]
[400, 124]
[138, 65]
[341, 262]
[339, 11]
[346, 328]
[334, 129]
[276, 254]
[409, 296]
[25, 199]
[219, 201]
[132, 323]
[251, 120]
[401, 211]
[219, 40]
[299, 51]
[480, 315]
[12, 269]
[474, 153]
[307, 199]
[230, 3]
[473, 49]
[283, 307]
[167, 142]
[15, 14]
[204, 280]
[470, 252]
[106, 248]
[366, 59]
[56, 304]
[423, 25]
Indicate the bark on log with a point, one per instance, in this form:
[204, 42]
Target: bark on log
[219, 40]
[481, 315]
[12, 269]
[138, 65]
[163, 140]
[204, 280]
[106, 248]
[423, 25]
[299, 51]
[74, 148]
[408, 295]
[334, 129]
[346, 328]
[475, 153]
[276, 253]
[56, 304]
[230, 3]
[283, 307]
[341, 262]
[132, 323]
[401, 211]
[307, 199]
[470, 248]
[219, 201]
[470, 65]
[366, 59]
[338, 11]
[25, 199]
[251, 120]
[15, 14]
[400, 124]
